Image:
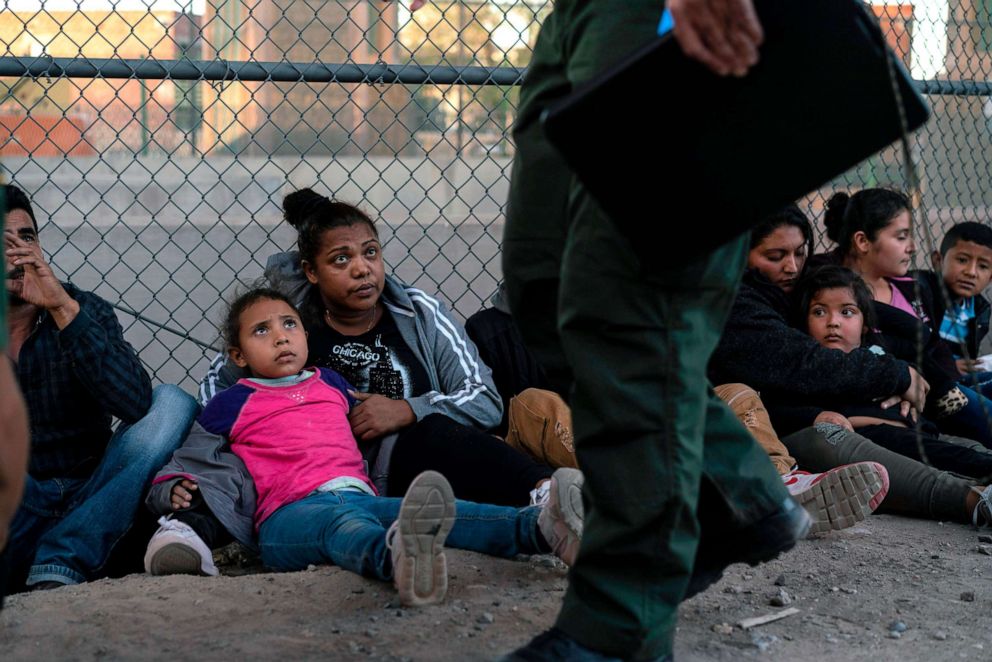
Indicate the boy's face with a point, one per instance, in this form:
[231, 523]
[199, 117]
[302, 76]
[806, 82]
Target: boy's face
[967, 268]
[272, 340]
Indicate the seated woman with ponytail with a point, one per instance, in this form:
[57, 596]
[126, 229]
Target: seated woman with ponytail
[426, 398]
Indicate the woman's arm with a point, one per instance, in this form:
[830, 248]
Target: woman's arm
[467, 393]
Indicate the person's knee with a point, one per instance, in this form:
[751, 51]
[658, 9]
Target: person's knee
[152, 440]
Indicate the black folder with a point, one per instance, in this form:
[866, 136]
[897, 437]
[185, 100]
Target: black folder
[664, 145]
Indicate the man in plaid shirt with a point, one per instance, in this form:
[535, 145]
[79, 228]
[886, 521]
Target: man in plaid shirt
[85, 481]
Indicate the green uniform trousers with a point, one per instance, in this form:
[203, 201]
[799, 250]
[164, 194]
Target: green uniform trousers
[651, 437]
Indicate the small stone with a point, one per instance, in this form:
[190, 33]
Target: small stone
[831, 639]
[398, 613]
[371, 633]
[780, 580]
[373, 619]
[985, 549]
[985, 538]
[835, 589]
[940, 635]
[358, 589]
[733, 590]
[496, 603]
[311, 567]
[849, 590]
[723, 628]
[486, 618]
[897, 626]
[780, 599]
[763, 642]
[935, 556]
[335, 630]
[894, 635]
[968, 596]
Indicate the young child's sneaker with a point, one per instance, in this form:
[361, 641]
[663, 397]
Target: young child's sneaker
[416, 540]
[841, 497]
[561, 517]
[175, 549]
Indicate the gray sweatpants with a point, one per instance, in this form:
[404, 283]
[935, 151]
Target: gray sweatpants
[914, 488]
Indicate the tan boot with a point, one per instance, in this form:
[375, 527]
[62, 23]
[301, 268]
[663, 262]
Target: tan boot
[746, 404]
[540, 425]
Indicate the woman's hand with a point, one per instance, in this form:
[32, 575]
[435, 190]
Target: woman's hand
[377, 415]
[834, 418]
[916, 394]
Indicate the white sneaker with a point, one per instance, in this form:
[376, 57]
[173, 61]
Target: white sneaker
[841, 497]
[561, 517]
[175, 549]
[539, 495]
[416, 540]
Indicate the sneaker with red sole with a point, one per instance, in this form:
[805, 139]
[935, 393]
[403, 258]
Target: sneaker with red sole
[839, 498]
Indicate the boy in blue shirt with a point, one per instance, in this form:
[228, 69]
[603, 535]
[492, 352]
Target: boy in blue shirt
[965, 264]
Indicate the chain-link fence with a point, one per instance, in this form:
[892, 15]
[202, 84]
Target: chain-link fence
[156, 138]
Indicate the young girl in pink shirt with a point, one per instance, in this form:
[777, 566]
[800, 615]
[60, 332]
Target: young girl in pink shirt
[315, 501]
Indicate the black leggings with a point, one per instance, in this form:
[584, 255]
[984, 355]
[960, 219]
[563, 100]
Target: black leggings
[944, 455]
[479, 466]
[201, 519]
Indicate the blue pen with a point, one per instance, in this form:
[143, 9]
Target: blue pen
[666, 24]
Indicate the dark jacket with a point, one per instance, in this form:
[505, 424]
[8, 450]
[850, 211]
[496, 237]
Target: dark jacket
[759, 348]
[978, 327]
[74, 381]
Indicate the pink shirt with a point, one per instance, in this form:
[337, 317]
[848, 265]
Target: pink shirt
[901, 302]
[292, 438]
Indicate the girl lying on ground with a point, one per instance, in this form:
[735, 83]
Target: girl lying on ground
[289, 426]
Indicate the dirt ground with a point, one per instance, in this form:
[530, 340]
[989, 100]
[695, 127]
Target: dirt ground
[889, 589]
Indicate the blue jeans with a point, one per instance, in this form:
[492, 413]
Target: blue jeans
[66, 528]
[348, 529]
[973, 420]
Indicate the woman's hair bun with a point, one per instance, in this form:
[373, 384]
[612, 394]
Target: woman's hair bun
[833, 219]
[298, 205]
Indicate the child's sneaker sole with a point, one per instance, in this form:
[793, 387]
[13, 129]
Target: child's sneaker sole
[426, 517]
[844, 496]
[175, 559]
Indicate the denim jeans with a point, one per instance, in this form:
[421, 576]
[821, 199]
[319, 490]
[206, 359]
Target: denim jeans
[66, 528]
[348, 529]
[973, 420]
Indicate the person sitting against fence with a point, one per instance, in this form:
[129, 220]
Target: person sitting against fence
[836, 498]
[872, 229]
[964, 264]
[835, 306]
[85, 481]
[288, 422]
[425, 397]
[760, 347]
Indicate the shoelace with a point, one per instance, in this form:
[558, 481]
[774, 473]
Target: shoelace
[983, 509]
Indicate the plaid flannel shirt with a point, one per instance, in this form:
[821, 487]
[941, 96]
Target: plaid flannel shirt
[74, 381]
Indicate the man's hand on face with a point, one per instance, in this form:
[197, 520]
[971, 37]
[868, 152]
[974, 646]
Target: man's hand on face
[38, 285]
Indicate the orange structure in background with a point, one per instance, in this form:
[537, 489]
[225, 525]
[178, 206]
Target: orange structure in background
[42, 135]
[896, 22]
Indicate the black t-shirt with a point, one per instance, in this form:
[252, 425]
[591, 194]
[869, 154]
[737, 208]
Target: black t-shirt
[378, 361]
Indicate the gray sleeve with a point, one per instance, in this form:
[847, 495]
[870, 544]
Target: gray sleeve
[467, 393]
[222, 374]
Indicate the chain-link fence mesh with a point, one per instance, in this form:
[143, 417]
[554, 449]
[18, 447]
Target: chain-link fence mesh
[156, 139]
